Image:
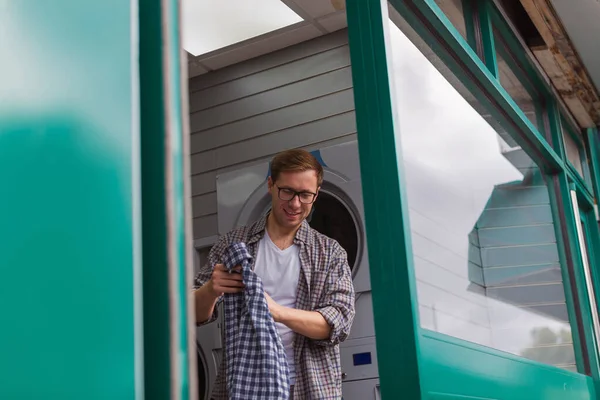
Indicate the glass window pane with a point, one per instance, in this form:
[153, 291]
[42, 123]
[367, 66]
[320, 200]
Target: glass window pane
[572, 149]
[484, 246]
[513, 85]
[453, 9]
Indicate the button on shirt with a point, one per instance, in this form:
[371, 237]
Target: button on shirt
[325, 286]
[255, 359]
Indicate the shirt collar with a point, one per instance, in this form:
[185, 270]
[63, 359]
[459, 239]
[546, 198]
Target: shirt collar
[257, 231]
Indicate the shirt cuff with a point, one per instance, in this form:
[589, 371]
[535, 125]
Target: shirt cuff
[332, 316]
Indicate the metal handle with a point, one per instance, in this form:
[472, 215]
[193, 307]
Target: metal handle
[377, 391]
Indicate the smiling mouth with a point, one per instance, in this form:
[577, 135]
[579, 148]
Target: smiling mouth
[290, 213]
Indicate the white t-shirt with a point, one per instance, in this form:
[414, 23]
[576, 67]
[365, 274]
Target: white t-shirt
[279, 271]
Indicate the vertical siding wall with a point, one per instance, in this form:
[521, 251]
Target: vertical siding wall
[297, 97]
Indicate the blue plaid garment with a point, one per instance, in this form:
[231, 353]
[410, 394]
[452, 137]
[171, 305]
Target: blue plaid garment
[255, 359]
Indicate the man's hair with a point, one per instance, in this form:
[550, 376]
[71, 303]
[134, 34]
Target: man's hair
[296, 160]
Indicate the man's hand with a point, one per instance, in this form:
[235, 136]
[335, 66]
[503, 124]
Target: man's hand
[274, 308]
[222, 281]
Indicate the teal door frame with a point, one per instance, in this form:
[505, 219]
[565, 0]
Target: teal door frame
[169, 342]
[94, 238]
[387, 231]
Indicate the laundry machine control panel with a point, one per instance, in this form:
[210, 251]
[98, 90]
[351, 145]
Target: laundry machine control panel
[359, 359]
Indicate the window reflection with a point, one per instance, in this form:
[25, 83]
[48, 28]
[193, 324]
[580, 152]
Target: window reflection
[511, 83]
[484, 246]
[453, 9]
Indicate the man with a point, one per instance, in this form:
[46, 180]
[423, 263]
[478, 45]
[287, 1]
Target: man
[306, 277]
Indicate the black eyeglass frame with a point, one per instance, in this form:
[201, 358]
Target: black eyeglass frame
[295, 193]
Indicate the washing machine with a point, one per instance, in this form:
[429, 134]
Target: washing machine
[338, 213]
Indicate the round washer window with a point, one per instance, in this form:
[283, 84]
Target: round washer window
[332, 218]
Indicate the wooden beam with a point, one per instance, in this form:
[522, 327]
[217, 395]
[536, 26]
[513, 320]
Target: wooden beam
[563, 86]
[562, 64]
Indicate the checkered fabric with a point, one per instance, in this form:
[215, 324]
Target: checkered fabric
[256, 367]
[325, 286]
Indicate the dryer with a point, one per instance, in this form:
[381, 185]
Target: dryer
[338, 213]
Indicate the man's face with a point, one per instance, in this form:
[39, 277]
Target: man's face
[292, 197]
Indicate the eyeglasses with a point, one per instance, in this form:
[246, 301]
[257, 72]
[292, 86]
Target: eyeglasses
[287, 194]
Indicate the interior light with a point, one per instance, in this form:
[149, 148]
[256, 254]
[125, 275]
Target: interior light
[209, 25]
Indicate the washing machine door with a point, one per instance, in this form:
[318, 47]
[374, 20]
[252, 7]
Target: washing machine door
[333, 218]
[210, 354]
[335, 215]
[202, 377]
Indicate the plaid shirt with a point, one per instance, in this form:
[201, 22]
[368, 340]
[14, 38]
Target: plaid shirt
[256, 364]
[325, 286]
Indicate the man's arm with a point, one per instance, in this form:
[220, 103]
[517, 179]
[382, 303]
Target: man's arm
[205, 302]
[330, 323]
[307, 323]
[337, 304]
[206, 297]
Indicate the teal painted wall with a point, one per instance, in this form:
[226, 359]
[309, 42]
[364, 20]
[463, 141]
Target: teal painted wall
[68, 212]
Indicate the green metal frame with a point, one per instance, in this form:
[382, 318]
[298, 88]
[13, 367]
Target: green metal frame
[593, 236]
[586, 212]
[388, 233]
[577, 284]
[441, 366]
[565, 236]
[520, 64]
[505, 52]
[593, 145]
[530, 76]
[487, 36]
[166, 242]
[468, 9]
[556, 129]
[439, 33]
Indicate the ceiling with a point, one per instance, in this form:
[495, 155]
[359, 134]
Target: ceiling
[582, 24]
[320, 17]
